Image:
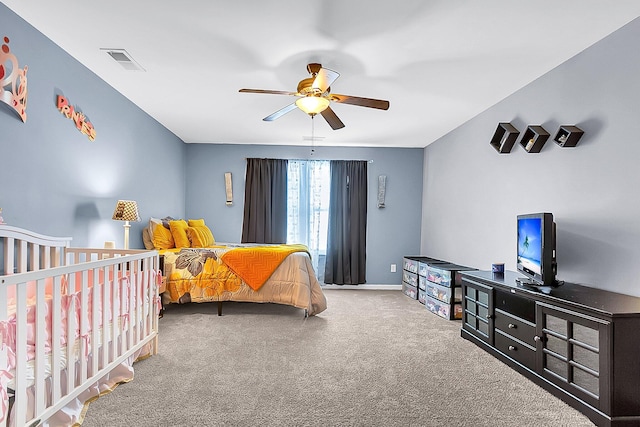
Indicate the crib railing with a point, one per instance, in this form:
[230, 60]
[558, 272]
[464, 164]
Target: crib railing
[98, 337]
[141, 265]
[24, 250]
[74, 315]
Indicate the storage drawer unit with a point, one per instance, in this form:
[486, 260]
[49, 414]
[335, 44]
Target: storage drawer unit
[423, 267]
[442, 309]
[410, 264]
[443, 293]
[422, 296]
[410, 291]
[425, 262]
[422, 283]
[410, 278]
[443, 286]
[446, 274]
[414, 270]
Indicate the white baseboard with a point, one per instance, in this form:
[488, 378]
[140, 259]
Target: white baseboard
[368, 287]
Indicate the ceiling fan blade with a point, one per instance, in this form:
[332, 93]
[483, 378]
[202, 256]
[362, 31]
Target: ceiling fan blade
[331, 118]
[362, 102]
[272, 92]
[324, 79]
[280, 112]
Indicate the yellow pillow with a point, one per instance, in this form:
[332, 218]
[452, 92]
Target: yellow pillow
[201, 235]
[196, 222]
[179, 233]
[162, 238]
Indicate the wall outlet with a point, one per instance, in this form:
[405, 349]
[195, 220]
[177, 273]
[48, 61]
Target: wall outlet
[393, 268]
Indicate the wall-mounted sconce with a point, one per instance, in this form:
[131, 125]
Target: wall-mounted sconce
[382, 188]
[228, 188]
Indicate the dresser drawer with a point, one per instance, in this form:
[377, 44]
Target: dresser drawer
[516, 305]
[410, 291]
[422, 296]
[410, 265]
[448, 311]
[515, 327]
[443, 293]
[422, 282]
[422, 269]
[515, 349]
[410, 278]
[443, 277]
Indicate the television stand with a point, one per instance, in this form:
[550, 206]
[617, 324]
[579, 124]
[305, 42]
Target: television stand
[577, 342]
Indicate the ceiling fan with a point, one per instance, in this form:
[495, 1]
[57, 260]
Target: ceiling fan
[314, 97]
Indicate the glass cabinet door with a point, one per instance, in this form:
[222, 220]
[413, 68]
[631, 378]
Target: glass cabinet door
[477, 306]
[572, 352]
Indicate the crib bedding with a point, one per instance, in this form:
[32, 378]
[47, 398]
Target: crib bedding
[68, 306]
[280, 274]
[72, 322]
[77, 327]
[73, 412]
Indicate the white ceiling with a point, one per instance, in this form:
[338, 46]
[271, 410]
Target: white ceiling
[439, 63]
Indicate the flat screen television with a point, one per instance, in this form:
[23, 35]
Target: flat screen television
[537, 248]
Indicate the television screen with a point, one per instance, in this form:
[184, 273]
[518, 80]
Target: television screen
[530, 244]
[537, 248]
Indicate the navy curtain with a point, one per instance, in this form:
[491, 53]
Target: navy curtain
[265, 201]
[347, 237]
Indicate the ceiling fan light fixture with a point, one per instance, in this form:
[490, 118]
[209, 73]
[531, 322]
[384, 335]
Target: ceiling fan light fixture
[312, 105]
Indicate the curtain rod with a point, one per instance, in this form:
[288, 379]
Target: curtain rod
[305, 160]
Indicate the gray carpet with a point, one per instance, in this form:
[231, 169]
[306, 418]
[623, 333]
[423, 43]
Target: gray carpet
[373, 358]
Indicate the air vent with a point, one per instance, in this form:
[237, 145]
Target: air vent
[123, 58]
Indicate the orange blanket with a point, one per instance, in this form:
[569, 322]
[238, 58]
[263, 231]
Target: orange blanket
[254, 265]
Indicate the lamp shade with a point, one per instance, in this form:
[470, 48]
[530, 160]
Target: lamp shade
[312, 104]
[126, 210]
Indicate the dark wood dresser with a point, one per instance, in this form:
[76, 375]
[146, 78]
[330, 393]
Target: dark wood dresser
[580, 343]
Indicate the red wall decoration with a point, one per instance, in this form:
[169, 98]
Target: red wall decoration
[13, 81]
[83, 125]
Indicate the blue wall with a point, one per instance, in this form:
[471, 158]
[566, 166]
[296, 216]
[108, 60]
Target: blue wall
[392, 231]
[53, 180]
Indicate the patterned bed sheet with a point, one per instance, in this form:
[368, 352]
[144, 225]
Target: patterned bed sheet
[281, 274]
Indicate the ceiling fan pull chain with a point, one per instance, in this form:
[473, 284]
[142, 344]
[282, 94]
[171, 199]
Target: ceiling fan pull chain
[313, 138]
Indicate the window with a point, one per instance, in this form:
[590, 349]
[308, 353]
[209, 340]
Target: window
[308, 185]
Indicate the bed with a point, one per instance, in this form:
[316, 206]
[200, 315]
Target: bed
[72, 322]
[196, 268]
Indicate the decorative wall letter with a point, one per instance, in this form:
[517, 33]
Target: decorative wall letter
[83, 125]
[13, 81]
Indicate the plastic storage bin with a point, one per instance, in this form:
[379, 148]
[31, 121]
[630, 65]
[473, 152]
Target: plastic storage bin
[444, 310]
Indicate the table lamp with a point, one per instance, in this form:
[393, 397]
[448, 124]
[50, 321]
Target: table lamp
[126, 210]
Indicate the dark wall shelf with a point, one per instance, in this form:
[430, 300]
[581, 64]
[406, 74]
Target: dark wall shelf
[568, 136]
[504, 137]
[534, 138]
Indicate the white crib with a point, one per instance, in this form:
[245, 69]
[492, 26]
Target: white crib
[57, 348]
